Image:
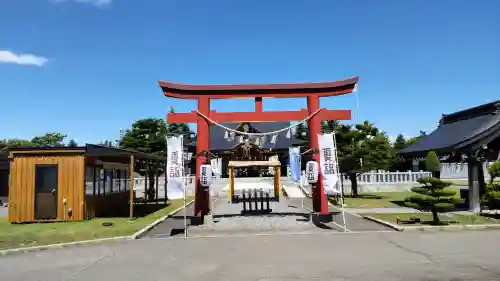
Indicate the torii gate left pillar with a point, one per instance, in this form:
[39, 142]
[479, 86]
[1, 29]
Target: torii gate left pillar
[202, 196]
[204, 93]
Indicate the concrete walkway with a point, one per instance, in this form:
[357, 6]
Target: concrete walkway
[292, 191]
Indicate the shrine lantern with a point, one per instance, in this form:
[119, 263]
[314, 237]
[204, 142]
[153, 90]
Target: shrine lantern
[205, 175]
[312, 171]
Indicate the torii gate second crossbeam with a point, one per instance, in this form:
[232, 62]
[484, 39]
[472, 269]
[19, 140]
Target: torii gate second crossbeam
[204, 93]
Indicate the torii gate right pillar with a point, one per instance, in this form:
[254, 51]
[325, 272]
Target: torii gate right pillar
[320, 201]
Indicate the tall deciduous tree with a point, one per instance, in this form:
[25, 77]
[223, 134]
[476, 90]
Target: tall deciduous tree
[146, 135]
[149, 136]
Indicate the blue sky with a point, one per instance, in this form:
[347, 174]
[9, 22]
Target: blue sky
[95, 63]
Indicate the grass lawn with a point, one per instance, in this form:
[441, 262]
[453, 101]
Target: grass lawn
[382, 199]
[37, 234]
[426, 218]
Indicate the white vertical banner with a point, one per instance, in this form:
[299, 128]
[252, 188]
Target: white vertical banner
[219, 167]
[216, 164]
[175, 167]
[329, 164]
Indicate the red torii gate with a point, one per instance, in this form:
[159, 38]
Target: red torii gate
[204, 93]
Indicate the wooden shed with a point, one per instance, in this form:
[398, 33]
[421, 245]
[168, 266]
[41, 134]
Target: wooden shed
[73, 183]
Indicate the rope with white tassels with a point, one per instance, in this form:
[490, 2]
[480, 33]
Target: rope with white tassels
[259, 134]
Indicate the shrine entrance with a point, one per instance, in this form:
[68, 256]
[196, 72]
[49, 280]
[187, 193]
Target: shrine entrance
[204, 117]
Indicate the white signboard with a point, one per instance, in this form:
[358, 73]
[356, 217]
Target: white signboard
[329, 164]
[175, 168]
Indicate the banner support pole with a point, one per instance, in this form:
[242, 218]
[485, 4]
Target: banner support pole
[184, 181]
[338, 183]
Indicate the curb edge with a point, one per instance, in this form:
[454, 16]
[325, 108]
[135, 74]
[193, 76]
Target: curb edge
[150, 226]
[385, 223]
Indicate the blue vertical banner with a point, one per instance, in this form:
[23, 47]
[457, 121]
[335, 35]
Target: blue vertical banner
[294, 159]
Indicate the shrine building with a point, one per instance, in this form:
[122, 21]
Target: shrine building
[233, 147]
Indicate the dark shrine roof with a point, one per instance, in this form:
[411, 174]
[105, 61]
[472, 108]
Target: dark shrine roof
[218, 142]
[463, 131]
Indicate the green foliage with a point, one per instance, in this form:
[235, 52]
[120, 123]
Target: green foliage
[107, 143]
[355, 142]
[432, 195]
[179, 129]
[51, 139]
[494, 170]
[432, 163]
[302, 132]
[3, 145]
[400, 163]
[146, 135]
[330, 126]
[411, 141]
[362, 148]
[366, 142]
[17, 143]
[72, 143]
[400, 143]
[491, 196]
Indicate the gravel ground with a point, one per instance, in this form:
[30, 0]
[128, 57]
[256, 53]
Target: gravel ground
[285, 216]
[288, 216]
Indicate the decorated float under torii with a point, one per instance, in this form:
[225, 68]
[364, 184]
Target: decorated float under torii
[204, 117]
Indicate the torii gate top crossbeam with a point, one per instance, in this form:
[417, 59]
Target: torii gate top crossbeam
[291, 90]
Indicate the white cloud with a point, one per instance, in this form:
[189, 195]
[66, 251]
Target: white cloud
[97, 3]
[23, 59]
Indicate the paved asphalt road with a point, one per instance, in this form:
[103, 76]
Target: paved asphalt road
[468, 255]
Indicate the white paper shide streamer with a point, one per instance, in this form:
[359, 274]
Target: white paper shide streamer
[329, 164]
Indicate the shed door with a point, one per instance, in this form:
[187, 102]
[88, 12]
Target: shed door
[46, 192]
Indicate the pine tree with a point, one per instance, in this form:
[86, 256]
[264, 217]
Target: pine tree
[432, 164]
[400, 143]
[433, 197]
